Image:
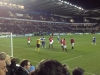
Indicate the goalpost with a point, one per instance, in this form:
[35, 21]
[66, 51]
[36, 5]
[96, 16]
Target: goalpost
[6, 43]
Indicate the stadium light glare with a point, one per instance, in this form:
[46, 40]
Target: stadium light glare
[10, 4]
[79, 7]
[67, 2]
[75, 6]
[22, 7]
[1, 2]
[70, 4]
[71, 20]
[14, 4]
[5, 3]
[82, 9]
[59, 0]
[64, 1]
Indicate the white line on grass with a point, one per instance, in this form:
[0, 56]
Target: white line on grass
[72, 58]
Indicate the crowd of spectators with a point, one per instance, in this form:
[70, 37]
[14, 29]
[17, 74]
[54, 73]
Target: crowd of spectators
[12, 21]
[26, 27]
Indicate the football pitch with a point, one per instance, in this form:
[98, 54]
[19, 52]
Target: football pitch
[84, 55]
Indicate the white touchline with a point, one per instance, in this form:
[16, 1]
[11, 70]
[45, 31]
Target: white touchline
[72, 58]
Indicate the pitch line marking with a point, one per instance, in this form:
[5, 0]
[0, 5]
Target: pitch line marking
[72, 58]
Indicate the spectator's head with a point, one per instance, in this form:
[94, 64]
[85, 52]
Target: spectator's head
[3, 68]
[50, 67]
[3, 56]
[13, 60]
[77, 71]
[25, 64]
[8, 60]
[66, 68]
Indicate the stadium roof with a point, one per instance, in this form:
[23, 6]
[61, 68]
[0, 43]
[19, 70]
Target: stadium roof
[58, 7]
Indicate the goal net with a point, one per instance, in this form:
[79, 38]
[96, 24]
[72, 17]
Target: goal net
[6, 43]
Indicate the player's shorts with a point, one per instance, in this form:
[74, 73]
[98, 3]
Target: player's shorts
[43, 43]
[38, 45]
[51, 43]
[93, 41]
[61, 44]
[58, 39]
[28, 41]
[72, 44]
[65, 46]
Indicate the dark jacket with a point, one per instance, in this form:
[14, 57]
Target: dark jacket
[21, 71]
[13, 68]
[9, 70]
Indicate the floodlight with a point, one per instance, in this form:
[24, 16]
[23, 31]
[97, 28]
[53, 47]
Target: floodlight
[10, 4]
[5, 3]
[1, 3]
[59, 0]
[79, 7]
[65, 2]
[14, 4]
[70, 4]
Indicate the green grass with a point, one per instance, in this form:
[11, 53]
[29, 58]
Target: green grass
[85, 55]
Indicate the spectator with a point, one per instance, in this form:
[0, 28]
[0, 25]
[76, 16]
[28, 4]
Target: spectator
[32, 68]
[3, 55]
[50, 67]
[3, 68]
[24, 68]
[66, 68]
[72, 43]
[13, 66]
[8, 62]
[64, 45]
[78, 71]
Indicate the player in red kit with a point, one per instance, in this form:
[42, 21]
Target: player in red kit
[64, 45]
[28, 41]
[61, 42]
[72, 42]
[51, 42]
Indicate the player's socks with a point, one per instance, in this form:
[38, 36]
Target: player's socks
[49, 46]
[66, 50]
[72, 48]
[63, 49]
